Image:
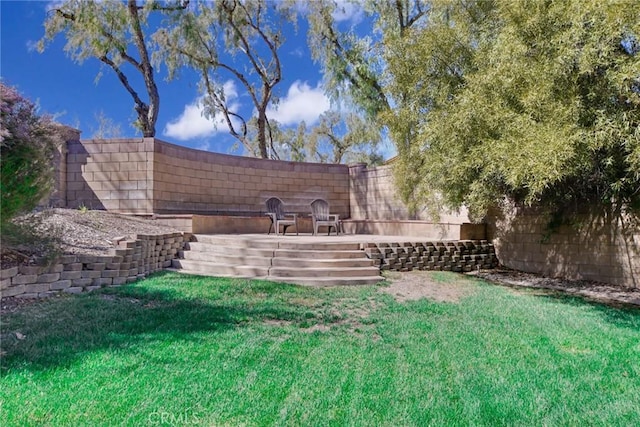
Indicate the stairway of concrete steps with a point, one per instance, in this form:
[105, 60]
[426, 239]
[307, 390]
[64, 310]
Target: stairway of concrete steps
[302, 262]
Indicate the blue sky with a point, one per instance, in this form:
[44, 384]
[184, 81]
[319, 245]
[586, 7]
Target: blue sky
[70, 92]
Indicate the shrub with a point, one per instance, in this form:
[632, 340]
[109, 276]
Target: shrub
[27, 143]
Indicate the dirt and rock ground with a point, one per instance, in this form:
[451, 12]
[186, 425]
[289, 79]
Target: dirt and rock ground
[96, 232]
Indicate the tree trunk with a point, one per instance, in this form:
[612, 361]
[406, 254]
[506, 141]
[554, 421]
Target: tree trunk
[147, 113]
[262, 133]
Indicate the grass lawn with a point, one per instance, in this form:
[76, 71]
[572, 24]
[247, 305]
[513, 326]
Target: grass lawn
[185, 350]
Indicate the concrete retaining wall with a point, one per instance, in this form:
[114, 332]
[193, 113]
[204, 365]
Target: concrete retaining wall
[456, 256]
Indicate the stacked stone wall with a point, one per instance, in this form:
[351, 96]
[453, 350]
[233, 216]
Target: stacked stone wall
[130, 261]
[458, 256]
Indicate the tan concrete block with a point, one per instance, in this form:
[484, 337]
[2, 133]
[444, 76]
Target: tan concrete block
[119, 157]
[12, 291]
[76, 186]
[110, 273]
[48, 277]
[139, 156]
[136, 175]
[5, 283]
[118, 176]
[73, 164]
[23, 279]
[37, 287]
[93, 176]
[102, 281]
[111, 204]
[110, 167]
[55, 268]
[103, 195]
[89, 274]
[131, 166]
[70, 275]
[110, 148]
[118, 195]
[137, 194]
[100, 158]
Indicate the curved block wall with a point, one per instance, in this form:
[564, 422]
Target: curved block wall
[147, 175]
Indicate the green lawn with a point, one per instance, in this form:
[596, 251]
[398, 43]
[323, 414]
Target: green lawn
[185, 350]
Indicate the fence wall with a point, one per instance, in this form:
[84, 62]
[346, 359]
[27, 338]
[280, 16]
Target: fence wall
[152, 176]
[598, 246]
[194, 181]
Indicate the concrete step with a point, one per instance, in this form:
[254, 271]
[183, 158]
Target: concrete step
[235, 241]
[302, 261]
[227, 250]
[316, 262]
[321, 254]
[321, 272]
[280, 253]
[231, 259]
[328, 281]
[320, 246]
[264, 242]
[215, 269]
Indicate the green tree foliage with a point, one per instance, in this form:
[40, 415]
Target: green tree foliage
[238, 40]
[111, 31]
[538, 101]
[27, 143]
[348, 137]
[354, 66]
[337, 138]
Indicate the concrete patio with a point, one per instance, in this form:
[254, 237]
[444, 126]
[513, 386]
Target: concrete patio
[326, 260]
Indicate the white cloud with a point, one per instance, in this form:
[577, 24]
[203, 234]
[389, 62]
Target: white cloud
[298, 52]
[193, 124]
[32, 46]
[53, 5]
[301, 103]
[347, 10]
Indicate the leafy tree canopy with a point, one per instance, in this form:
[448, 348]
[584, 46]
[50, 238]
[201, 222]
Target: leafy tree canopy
[535, 101]
[113, 31]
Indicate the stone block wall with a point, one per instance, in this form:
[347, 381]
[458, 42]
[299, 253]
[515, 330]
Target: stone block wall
[599, 246]
[373, 197]
[114, 174]
[194, 181]
[458, 256]
[130, 261]
[146, 175]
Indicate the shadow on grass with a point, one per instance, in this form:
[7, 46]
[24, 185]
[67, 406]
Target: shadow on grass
[616, 313]
[58, 331]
